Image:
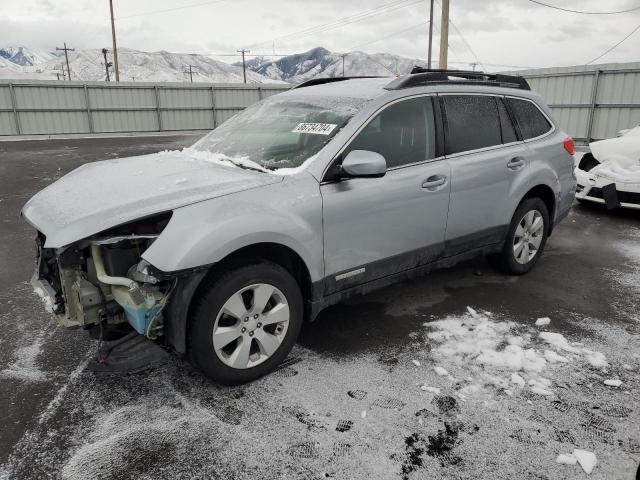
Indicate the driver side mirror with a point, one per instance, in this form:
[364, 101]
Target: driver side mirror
[364, 163]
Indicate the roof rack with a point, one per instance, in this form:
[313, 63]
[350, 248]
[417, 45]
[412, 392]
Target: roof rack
[321, 81]
[420, 76]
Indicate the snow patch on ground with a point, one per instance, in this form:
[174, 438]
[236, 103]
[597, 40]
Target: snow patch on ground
[543, 321]
[497, 356]
[46, 299]
[24, 367]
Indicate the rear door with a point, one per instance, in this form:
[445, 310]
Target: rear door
[486, 157]
[375, 227]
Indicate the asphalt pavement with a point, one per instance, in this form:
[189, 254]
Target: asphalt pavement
[349, 402]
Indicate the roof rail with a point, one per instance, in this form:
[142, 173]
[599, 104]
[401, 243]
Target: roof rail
[321, 81]
[420, 76]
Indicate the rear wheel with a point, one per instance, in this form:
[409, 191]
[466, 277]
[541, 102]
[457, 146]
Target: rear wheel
[526, 238]
[245, 323]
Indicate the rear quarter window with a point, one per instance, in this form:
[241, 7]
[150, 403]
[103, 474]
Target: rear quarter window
[472, 122]
[530, 119]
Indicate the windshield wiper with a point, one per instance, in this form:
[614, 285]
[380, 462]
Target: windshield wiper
[247, 167]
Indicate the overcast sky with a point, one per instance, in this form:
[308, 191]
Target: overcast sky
[504, 32]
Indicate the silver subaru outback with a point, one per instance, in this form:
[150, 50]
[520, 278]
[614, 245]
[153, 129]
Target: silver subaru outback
[336, 187]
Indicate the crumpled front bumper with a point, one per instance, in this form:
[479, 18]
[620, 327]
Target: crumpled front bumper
[590, 188]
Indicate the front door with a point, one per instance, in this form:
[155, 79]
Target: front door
[375, 227]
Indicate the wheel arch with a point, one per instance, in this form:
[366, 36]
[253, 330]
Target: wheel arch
[189, 289]
[547, 195]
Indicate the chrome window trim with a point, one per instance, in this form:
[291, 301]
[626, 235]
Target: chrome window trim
[484, 149]
[492, 147]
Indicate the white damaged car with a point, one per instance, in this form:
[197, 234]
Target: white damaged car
[610, 173]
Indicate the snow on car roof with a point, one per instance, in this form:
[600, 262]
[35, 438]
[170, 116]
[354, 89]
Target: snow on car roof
[366, 88]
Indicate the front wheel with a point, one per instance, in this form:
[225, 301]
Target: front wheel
[245, 323]
[526, 238]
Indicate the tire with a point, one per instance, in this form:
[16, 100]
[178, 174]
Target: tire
[531, 209]
[226, 310]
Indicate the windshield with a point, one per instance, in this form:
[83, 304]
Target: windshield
[281, 132]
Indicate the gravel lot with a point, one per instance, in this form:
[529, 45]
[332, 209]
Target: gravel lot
[359, 396]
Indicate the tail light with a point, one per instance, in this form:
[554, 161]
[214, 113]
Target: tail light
[570, 146]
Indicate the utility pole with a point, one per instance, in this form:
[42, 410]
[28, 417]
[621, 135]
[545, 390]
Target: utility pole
[107, 64]
[430, 34]
[191, 72]
[244, 67]
[473, 65]
[343, 55]
[444, 35]
[66, 56]
[115, 48]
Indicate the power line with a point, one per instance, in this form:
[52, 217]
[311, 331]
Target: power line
[465, 41]
[399, 32]
[615, 46]
[153, 12]
[582, 11]
[340, 22]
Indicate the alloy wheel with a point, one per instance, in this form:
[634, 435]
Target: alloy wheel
[251, 325]
[528, 237]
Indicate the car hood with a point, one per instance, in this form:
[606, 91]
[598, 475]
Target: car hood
[101, 195]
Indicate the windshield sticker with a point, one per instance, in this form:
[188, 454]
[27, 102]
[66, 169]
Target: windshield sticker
[315, 128]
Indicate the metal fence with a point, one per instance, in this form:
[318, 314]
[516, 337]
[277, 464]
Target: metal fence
[51, 107]
[590, 102]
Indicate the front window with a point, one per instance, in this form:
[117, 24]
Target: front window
[281, 132]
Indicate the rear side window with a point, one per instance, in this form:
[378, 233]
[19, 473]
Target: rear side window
[506, 126]
[402, 133]
[530, 119]
[473, 122]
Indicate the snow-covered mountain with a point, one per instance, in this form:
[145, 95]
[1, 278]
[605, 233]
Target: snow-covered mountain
[134, 65]
[320, 62]
[27, 57]
[139, 66]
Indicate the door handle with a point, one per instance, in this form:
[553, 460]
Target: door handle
[516, 163]
[434, 181]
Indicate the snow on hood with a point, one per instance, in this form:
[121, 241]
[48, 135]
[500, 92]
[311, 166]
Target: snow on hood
[619, 157]
[101, 195]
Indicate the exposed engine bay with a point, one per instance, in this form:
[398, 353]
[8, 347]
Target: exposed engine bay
[104, 280]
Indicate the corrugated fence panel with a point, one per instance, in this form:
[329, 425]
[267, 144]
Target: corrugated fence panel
[125, 121]
[607, 122]
[7, 124]
[224, 115]
[187, 119]
[619, 88]
[43, 122]
[185, 97]
[7, 119]
[44, 97]
[118, 97]
[49, 107]
[574, 121]
[5, 97]
[567, 89]
[236, 97]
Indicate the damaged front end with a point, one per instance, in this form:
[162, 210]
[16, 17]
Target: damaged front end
[103, 280]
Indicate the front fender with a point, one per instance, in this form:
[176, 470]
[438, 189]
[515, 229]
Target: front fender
[289, 214]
